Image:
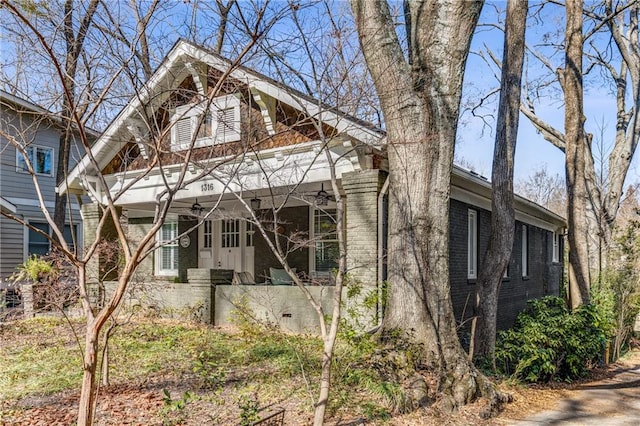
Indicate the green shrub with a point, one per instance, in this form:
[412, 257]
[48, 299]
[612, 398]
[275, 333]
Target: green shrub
[548, 342]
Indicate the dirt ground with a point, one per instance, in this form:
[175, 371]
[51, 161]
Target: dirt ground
[142, 403]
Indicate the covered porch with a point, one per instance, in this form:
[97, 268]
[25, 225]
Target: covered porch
[214, 249]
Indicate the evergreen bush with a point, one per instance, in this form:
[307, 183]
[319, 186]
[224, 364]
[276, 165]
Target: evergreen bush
[549, 342]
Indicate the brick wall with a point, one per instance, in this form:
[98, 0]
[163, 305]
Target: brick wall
[543, 279]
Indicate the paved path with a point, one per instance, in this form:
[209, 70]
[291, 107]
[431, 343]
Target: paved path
[610, 402]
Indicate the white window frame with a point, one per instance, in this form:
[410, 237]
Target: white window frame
[555, 247]
[193, 113]
[472, 244]
[525, 251]
[171, 243]
[33, 149]
[319, 239]
[73, 229]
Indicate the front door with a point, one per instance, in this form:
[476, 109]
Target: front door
[226, 244]
[206, 255]
[230, 248]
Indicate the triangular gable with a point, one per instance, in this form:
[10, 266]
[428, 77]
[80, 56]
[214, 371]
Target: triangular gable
[186, 60]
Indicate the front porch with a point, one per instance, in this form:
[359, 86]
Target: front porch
[187, 270]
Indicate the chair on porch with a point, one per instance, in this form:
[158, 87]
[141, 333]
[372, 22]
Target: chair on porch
[243, 278]
[280, 276]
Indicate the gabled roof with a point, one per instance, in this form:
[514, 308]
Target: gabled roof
[21, 105]
[175, 68]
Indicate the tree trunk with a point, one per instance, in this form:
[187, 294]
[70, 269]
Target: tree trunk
[74, 45]
[420, 99]
[89, 385]
[571, 81]
[496, 258]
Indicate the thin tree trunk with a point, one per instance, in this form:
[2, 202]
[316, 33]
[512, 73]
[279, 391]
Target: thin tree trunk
[89, 385]
[496, 258]
[571, 81]
[74, 45]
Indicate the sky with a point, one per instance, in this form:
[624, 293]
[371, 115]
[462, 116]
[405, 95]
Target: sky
[476, 138]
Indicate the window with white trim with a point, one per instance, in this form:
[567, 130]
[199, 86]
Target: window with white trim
[525, 251]
[40, 157]
[221, 123]
[207, 234]
[250, 231]
[556, 247]
[230, 233]
[472, 244]
[167, 253]
[326, 248]
[40, 245]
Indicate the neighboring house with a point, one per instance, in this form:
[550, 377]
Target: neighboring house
[38, 130]
[257, 138]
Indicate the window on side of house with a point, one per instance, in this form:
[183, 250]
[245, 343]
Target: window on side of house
[220, 124]
[472, 244]
[40, 157]
[40, 245]
[556, 247]
[37, 243]
[326, 246]
[167, 252]
[525, 251]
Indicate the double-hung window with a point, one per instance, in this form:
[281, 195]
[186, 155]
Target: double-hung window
[40, 245]
[325, 236]
[206, 124]
[556, 247]
[472, 244]
[167, 253]
[40, 157]
[525, 251]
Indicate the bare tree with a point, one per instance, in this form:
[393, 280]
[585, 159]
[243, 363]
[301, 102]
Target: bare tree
[546, 189]
[133, 254]
[575, 150]
[496, 258]
[74, 44]
[420, 98]
[620, 63]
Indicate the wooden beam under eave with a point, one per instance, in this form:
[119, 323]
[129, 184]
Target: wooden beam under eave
[267, 106]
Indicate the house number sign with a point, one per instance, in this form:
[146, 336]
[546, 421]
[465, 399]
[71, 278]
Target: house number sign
[185, 241]
[207, 187]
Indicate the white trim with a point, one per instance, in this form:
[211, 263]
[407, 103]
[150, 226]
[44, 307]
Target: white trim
[7, 205]
[472, 244]
[33, 163]
[158, 270]
[220, 131]
[170, 72]
[525, 251]
[29, 202]
[312, 237]
[469, 197]
[555, 247]
[300, 165]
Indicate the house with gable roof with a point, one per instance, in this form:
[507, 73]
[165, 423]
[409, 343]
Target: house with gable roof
[38, 131]
[231, 139]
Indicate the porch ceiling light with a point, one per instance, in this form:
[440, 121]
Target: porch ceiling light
[322, 197]
[196, 208]
[255, 203]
